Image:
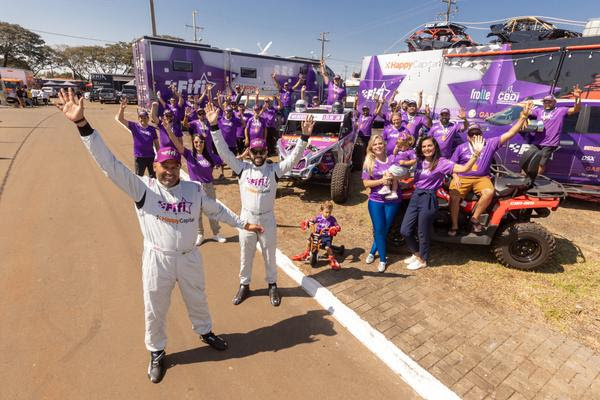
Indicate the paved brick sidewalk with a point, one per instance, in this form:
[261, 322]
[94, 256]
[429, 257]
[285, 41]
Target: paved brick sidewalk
[477, 352]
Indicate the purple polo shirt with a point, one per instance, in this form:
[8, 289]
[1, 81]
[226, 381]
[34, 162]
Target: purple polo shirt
[553, 124]
[324, 223]
[378, 169]
[199, 167]
[391, 135]
[285, 96]
[229, 129]
[143, 139]
[482, 167]
[414, 124]
[256, 127]
[335, 93]
[165, 140]
[432, 180]
[444, 136]
[365, 124]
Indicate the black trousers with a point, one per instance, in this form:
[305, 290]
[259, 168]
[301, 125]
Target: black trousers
[143, 163]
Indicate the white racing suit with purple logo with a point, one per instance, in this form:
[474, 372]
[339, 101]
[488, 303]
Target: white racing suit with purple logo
[168, 220]
[257, 189]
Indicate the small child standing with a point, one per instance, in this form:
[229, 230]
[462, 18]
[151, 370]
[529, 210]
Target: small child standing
[404, 157]
[326, 226]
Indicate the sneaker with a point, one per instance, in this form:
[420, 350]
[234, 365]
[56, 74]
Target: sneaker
[156, 367]
[199, 239]
[410, 259]
[219, 238]
[392, 196]
[384, 190]
[335, 265]
[370, 258]
[381, 267]
[214, 341]
[302, 256]
[417, 264]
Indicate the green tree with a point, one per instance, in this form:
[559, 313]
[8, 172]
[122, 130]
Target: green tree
[20, 47]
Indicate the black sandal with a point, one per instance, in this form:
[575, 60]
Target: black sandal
[477, 227]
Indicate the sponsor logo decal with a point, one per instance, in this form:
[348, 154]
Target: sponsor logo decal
[264, 181]
[521, 203]
[480, 96]
[175, 220]
[592, 148]
[190, 85]
[183, 206]
[508, 96]
[518, 148]
[590, 159]
[376, 93]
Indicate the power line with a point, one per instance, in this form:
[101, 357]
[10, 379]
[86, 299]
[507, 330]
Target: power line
[72, 36]
[522, 16]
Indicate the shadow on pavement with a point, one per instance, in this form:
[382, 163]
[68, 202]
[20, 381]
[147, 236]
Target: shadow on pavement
[329, 277]
[279, 336]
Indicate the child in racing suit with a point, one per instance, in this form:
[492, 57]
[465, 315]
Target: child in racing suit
[326, 226]
[257, 189]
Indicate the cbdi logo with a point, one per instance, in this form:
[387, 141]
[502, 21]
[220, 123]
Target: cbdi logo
[508, 96]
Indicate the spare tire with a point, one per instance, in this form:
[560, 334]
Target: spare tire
[340, 182]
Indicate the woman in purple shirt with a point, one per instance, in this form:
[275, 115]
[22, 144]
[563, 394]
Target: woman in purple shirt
[200, 127]
[381, 210]
[392, 132]
[256, 126]
[431, 169]
[200, 167]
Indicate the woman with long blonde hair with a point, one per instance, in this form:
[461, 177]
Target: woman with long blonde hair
[381, 210]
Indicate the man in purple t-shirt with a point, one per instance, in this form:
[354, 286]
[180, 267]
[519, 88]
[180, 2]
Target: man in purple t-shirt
[145, 140]
[550, 125]
[416, 122]
[286, 92]
[478, 178]
[336, 91]
[445, 131]
[230, 125]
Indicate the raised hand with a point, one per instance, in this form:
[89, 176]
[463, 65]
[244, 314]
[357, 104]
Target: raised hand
[427, 110]
[212, 114]
[308, 125]
[273, 75]
[303, 88]
[257, 92]
[188, 111]
[70, 106]
[577, 91]
[123, 103]
[477, 144]
[527, 109]
[462, 114]
[158, 94]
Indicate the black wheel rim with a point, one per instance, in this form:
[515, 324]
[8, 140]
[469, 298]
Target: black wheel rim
[525, 250]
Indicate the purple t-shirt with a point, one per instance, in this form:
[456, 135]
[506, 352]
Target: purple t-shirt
[445, 136]
[432, 180]
[365, 124]
[256, 127]
[414, 124]
[378, 169]
[199, 167]
[324, 223]
[143, 139]
[405, 155]
[387, 116]
[239, 132]
[285, 96]
[391, 135]
[178, 114]
[482, 167]
[200, 127]
[335, 93]
[229, 128]
[268, 116]
[553, 125]
[165, 140]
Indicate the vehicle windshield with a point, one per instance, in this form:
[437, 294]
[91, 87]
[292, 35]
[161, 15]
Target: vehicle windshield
[10, 85]
[506, 116]
[329, 129]
[104, 91]
[351, 90]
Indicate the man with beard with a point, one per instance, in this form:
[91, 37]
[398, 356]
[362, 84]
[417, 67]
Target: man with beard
[445, 131]
[416, 122]
[258, 186]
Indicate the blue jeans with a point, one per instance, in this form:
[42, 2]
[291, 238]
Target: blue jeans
[286, 111]
[419, 214]
[382, 217]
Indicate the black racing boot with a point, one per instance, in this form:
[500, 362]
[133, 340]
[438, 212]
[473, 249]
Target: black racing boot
[214, 341]
[156, 368]
[274, 294]
[241, 294]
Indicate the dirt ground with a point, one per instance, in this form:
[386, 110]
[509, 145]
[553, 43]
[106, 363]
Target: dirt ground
[564, 294]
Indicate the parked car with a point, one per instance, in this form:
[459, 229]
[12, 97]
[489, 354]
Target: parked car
[52, 92]
[108, 96]
[94, 94]
[131, 95]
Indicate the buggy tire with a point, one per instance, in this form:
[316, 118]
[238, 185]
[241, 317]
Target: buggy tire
[313, 258]
[340, 182]
[524, 245]
[358, 154]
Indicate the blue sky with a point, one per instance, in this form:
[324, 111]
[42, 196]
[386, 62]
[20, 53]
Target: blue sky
[356, 29]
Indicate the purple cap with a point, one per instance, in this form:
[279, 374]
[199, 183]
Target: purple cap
[228, 109]
[256, 107]
[444, 110]
[142, 113]
[337, 77]
[258, 143]
[549, 98]
[167, 153]
[474, 127]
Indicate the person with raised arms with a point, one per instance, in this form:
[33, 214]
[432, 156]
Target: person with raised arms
[415, 122]
[336, 91]
[445, 131]
[258, 187]
[285, 93]
[167, 208]
[256, 126]
[145, 139]
[392, 132]
[364, 121]
[200, 127]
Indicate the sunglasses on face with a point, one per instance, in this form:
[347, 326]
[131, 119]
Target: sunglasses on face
[474, 133]
[258, 152]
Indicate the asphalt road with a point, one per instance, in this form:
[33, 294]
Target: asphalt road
[71, 311]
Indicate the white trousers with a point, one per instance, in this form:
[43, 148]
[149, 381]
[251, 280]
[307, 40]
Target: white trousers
[268, 243]
[209, 189]
[160, 271]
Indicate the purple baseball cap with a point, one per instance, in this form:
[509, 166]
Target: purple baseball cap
[258, 143]
[167, 153]
[474, 127]
[549, 98]
[444, 110]
[411, 103]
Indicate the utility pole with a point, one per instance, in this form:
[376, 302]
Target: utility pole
[152, 17]
[345, 72]
[323, 39]
[449, 10]
[194, 27]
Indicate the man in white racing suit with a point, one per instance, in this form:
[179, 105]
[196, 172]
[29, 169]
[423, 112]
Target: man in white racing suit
[167, 210]
[257, 189]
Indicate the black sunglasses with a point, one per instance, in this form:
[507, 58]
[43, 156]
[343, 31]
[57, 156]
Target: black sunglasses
[474, 133]
[259, 152]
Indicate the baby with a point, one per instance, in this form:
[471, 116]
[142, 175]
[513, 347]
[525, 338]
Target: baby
[404, 157]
